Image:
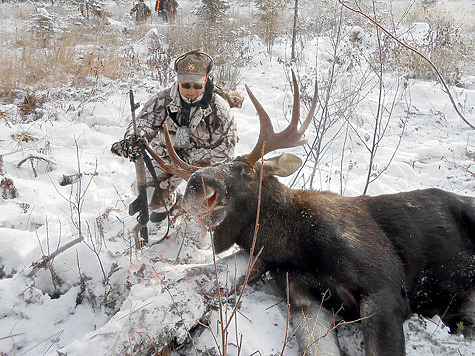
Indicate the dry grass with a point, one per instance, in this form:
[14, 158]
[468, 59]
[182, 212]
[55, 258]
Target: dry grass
[68, 60]
[38, 55]
[30, 103]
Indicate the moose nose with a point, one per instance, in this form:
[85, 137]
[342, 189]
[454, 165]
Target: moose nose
[203, 190]
[194, 193]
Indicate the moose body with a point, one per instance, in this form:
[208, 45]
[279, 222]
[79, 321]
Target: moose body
[380, 258]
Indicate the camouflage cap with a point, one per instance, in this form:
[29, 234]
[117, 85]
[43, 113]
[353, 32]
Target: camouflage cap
[193, 66]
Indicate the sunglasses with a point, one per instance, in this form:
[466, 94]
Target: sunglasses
[195, 86]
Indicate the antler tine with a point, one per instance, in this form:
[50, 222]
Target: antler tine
[182, 169]
[188, 168]
[166, 167]
[310, 113]
[289, 137]
[293, 134]
[266, 129]
[296, 107]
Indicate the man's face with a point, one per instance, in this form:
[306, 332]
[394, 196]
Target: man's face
[191, 90]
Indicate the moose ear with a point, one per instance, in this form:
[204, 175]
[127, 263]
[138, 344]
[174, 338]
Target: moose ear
[283, 165]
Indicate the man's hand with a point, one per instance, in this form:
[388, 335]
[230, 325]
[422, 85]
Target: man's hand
[129, 147]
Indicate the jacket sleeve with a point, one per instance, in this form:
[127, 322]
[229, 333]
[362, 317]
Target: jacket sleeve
[223, 137]
[150, 118]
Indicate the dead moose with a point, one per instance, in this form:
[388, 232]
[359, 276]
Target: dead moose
[381, 258]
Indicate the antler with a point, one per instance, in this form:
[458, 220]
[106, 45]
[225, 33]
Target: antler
[181, 168]
[290, 137]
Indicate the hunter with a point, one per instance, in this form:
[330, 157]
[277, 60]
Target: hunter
[200, 121]
[142, 11]
[167, 9]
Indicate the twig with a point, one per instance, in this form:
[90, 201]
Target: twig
[359, 11]
[10, 336]
[73, 178]
[218, 289]
[286, 338]
[57, 335]
[238, 341]
[225, 321]
[343, 322]
[252, 261]
[155, 349]
[322, 124]
[47, 259]
[273, 305]
[38, 157]
[207, 326]
[136, 310]
[179, 250]
[378, 116]
[96, 250]
[445, 312]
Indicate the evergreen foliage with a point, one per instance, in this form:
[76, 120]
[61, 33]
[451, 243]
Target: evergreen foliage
[214, 11]
[270, 17]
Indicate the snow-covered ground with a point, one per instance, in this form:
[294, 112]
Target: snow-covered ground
[103, 296]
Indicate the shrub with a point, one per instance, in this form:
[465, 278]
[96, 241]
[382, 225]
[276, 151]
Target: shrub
[442, 41]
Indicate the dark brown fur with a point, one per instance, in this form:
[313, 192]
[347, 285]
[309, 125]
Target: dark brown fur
[380, 257]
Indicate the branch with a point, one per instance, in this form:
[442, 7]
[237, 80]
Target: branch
[74, 178]
[38, 157]
[253, 261]
[47, 259]
[359, 11]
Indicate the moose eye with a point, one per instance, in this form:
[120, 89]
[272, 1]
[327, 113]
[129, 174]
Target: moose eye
[247, 170]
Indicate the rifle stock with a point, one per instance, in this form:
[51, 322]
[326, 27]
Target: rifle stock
[140, 204]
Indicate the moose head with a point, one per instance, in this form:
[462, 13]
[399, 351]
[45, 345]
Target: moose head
[379, 258]
[217, 191]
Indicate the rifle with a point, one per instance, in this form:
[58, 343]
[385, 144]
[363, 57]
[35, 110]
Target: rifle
[141, 203]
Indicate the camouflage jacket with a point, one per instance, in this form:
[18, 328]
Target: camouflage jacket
[212, 128]
[142, 12]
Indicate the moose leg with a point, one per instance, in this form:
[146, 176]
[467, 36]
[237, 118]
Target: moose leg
[313, 323]
[383, 314]
[462, 316]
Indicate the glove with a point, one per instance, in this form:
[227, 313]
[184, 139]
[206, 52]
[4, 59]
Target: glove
[129, 147]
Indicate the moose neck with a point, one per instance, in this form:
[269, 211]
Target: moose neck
[239, 225]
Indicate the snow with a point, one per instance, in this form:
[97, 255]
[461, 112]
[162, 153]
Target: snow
[101, 298]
